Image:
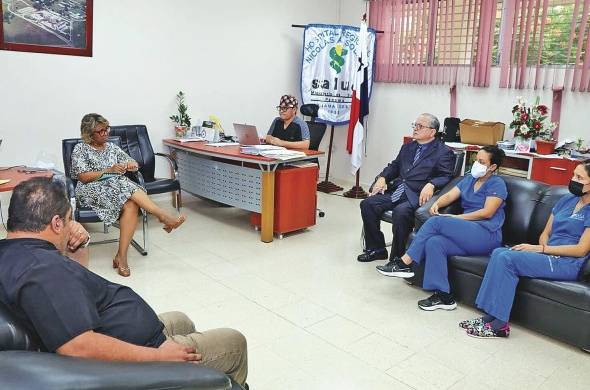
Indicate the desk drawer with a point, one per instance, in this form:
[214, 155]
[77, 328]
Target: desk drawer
[553, 171]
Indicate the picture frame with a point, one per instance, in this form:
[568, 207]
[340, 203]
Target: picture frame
[47, 26]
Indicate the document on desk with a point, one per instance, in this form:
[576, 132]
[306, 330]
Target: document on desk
[221, 144]
[192, 139]
[282, 154]
[258, 149]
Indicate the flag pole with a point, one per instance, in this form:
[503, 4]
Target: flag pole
[327, 186]
[356, 192]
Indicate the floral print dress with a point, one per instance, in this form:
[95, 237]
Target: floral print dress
[105, 197]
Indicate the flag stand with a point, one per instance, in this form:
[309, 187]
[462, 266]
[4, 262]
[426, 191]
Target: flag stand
[327, 186]
[357, 191]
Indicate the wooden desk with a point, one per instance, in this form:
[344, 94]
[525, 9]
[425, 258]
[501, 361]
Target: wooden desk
[19, 174]
[225, 175]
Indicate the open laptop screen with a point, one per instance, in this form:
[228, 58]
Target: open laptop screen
[247, 134]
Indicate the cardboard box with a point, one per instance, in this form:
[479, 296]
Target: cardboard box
[476, 132]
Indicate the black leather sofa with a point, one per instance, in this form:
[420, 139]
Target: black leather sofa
[22, 367]
[557, 309]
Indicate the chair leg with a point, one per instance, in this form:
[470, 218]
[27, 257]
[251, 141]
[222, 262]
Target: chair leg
[363, 244]
[177, 200]
[143, 249]
[105, 229]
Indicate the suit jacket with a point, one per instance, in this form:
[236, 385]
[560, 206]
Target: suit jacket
[435, 166]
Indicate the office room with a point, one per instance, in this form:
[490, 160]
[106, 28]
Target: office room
[442, 143]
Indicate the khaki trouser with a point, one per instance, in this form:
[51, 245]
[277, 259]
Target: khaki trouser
[224, 349]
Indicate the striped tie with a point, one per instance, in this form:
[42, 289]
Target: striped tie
[397, 194]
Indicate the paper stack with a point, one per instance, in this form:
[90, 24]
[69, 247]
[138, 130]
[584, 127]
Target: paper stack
[282, 154]
[258, 149]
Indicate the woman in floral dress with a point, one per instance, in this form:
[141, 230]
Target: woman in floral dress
[100, 166]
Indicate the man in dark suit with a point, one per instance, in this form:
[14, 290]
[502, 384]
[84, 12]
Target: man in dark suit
[420, 168]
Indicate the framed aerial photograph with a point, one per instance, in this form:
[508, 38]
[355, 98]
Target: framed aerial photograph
[47, 26]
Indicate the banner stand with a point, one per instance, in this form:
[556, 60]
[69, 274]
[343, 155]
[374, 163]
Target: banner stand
[357, 191]
[327, 186]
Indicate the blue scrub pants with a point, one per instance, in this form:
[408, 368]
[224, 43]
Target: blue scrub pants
[441, 237]
[496, 294]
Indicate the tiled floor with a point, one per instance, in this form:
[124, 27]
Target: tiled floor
[315, 318]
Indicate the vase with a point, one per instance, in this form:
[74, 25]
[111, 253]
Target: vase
[180, 131]
[522, 145]
[545, 147]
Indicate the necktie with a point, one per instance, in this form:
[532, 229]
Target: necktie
[397, 194]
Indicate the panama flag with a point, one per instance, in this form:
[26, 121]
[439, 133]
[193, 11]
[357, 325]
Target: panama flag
[360, 103]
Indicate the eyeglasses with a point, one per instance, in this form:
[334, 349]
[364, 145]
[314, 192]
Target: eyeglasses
[104, 131]
[418, 126]
[283, 108]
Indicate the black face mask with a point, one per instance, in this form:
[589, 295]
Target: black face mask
[576, 188]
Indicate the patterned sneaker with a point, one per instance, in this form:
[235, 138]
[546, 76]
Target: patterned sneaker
[486, 332]
[467, 324]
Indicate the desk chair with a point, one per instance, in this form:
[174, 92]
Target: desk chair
[316, 133]
[23, 367]
[387, 216]
[135, 141]
[450, 131]
[86, 214]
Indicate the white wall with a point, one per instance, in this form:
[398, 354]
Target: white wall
[232, 58]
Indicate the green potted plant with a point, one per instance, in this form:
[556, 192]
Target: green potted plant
[182, 120]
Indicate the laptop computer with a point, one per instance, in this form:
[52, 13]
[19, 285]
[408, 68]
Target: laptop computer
[247, 134]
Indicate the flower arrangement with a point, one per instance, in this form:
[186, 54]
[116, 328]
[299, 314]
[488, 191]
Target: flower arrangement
[530, 122]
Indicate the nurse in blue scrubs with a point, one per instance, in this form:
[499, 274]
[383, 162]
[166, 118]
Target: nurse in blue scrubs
[563, 249]
[477, 231]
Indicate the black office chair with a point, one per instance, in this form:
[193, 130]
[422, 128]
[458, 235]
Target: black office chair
[23, 367]
[86, 214]
[387, 216]
[135, 141]
[316, 129]
[450, 131]
[316, 133]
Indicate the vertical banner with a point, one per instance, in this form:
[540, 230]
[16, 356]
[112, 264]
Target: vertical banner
[329, 64]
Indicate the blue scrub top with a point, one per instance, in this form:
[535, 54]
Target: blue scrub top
[568, 227]
[475, 200]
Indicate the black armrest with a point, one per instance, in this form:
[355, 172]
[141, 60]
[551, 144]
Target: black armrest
[423, 212]
[170, 159]
[70, 188]
[136, 176]
[49, 371]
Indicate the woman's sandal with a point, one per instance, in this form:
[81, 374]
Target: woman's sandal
[177, 223]
[123, 271]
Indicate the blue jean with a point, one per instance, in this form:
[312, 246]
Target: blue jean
[441, 237]
[496, 294]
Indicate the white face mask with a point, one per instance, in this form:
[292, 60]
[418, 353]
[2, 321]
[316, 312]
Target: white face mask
[478, 170]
